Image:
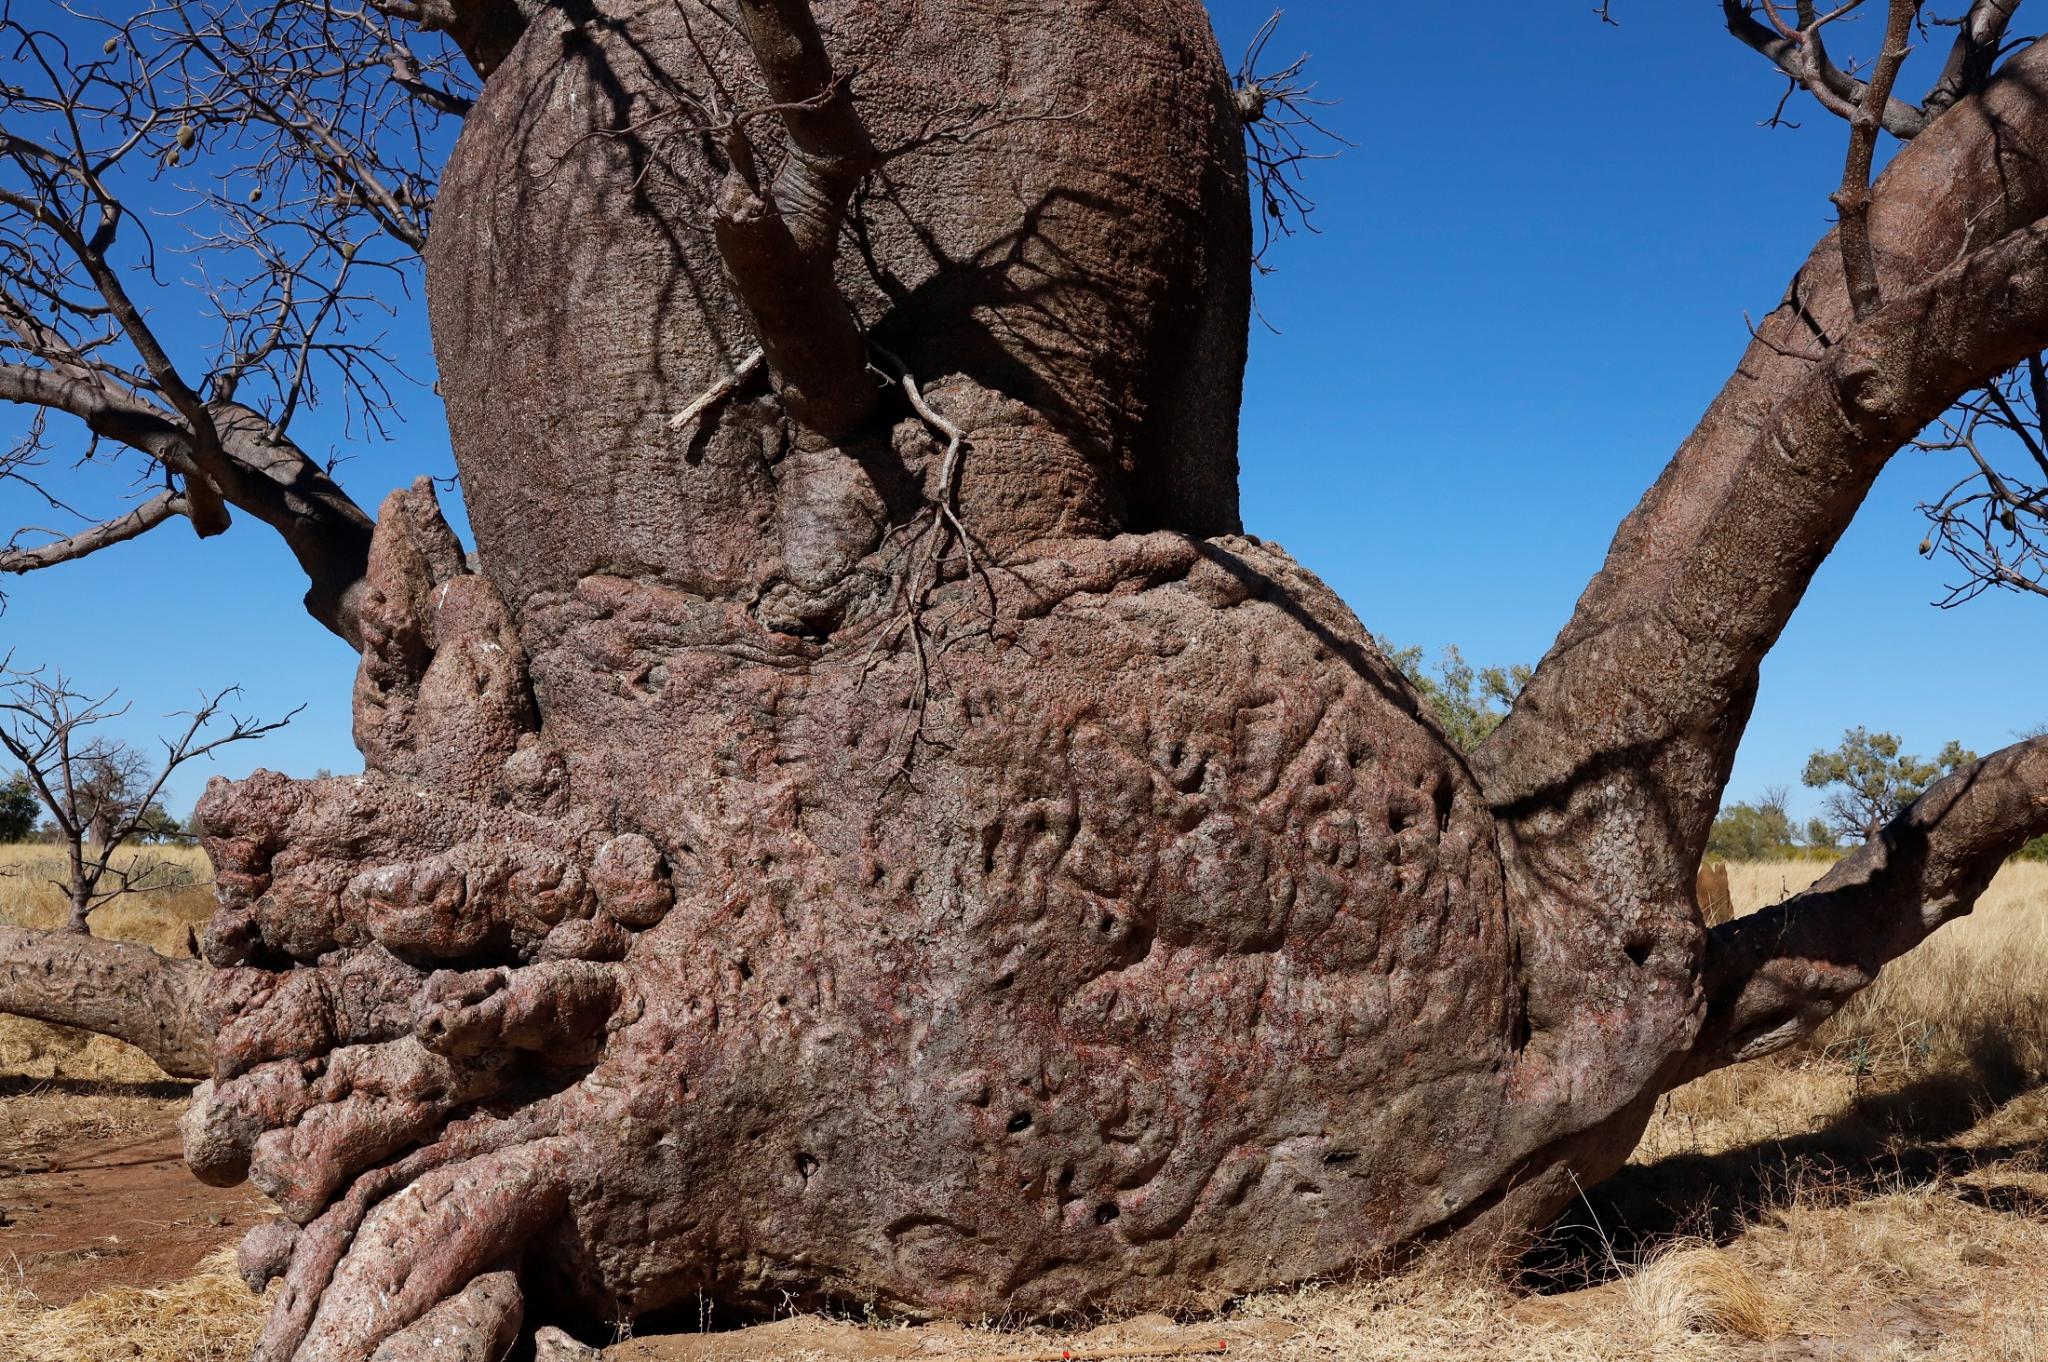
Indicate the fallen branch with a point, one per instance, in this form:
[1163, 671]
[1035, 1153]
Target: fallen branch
[1217, 1349]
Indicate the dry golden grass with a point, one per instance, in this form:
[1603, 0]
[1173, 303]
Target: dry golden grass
[1880, 1193]
[208, 1317]
[157, 918]
[162, 919]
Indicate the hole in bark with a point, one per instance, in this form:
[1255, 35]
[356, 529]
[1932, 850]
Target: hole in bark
[805, 1166]
[1339, 1156]
[1637, 952]
[1106, 1212]
[1020, 1123]
[1443, 796]
[746, 972]
[1004, 980]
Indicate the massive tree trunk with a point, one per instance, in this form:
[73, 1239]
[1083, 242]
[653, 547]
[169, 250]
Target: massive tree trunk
[867, 827]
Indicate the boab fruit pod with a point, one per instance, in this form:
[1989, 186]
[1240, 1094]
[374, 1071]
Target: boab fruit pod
[865, 826]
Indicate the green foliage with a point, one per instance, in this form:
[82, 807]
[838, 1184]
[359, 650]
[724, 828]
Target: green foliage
[157, 826]
[1755, 832]
[1870, 781]
[19, 809]
[2036, 850]
[1467, 702]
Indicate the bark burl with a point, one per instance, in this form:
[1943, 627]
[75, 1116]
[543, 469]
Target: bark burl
[866, 826]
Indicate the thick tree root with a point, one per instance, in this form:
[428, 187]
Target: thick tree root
[478, 1324]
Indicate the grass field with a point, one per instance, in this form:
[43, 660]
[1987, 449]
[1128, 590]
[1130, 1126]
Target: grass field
[162, 919]
[1881, 1193]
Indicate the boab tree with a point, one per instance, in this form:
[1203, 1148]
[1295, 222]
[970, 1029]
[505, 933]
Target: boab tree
[866, 825]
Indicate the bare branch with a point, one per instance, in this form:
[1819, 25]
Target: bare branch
[1283, 136]
[1993, 521]
[294, 150]
[1980, 37]
[1772, 977]
[1853, 198]
[1800, 52]
[165, 505]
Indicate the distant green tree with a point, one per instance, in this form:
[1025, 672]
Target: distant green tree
[19, 809]
[2036, 850]
[1870, 780]
[1819, 836]
[1467, 702]
[157, 826]
[1761, 831]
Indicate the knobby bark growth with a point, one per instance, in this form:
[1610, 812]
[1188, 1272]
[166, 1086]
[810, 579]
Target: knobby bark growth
[866, 826]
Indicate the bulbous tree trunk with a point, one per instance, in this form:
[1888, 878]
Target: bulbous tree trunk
[866, 826]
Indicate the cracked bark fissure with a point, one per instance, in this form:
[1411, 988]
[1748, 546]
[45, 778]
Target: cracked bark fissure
[1130, 941]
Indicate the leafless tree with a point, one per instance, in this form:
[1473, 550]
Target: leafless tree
[99, 792]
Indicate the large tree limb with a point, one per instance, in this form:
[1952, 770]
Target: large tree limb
[779, 242]
[111, 989]
[1774, 976]
[255, 469]
[1654, 674]
[485, 30]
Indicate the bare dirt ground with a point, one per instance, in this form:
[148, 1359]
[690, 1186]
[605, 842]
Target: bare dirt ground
[84, 1209]
[1881, 1194]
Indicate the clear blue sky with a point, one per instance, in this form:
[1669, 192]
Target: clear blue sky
[1530, 280]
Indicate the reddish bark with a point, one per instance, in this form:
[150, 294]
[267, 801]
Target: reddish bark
[901, 844]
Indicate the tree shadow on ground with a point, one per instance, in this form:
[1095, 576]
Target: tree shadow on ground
[14, 1085]
[1878, 1144]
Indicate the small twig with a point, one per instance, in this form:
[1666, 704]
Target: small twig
[1784, 350]
[717, 392]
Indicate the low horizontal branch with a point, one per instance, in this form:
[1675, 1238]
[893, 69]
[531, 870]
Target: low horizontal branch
[1774, 976]
[112, 989]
